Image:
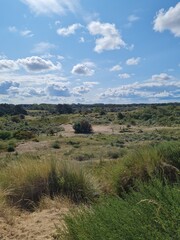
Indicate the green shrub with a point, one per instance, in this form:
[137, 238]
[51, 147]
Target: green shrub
[10, 148]
[151, 213]
[23, 135]
[120, 116]
[113, 154]
[56, 145]
[82, 126]
[84, 157]
[4, 135]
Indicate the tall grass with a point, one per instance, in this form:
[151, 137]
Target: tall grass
[27, 181]
[151, 213]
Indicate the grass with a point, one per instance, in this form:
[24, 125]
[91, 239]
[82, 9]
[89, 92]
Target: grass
[151, 213]
[28, 181]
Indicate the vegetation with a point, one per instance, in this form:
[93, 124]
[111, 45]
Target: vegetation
[82, 126]
[28, 181]
[127, 169]
[151, 213]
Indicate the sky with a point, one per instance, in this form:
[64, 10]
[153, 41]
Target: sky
[89, 51]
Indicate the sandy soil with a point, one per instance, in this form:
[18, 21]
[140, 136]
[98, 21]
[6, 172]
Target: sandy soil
[38, 225]
[31, 146]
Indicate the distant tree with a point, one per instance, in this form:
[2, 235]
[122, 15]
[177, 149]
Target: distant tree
[64, 109]
[120, 116]
[82, 126]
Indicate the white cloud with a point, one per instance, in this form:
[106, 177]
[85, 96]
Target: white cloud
[23, 33]
[37, 64]
[110, 39]
[81, 40]
[133, 18]
[26, 33]
[7, 65]
[12, 29]
[47, 7]
[133, 61]
[169, 20]
[58, 90]
[6, 85]
[115, 68]
[124, 75]
[31, 92]
[90, 84]
[161, 77]
[78, 91]
[142, 92]
[69, 30]
[85, 69]
[57, 22]
[43, 47]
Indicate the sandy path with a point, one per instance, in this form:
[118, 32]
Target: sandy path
[38, 225]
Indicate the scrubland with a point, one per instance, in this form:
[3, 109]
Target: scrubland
[119, 181]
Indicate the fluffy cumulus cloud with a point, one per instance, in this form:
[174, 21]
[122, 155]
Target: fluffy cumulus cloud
[37, 64]
[30, 64]
[133, 61]
[58, 90]
[31, 92]
[151, 89]
[6, 86]
[7, 65]
[84, 69]
[110, 37]
[59, 7]
[69, 30]
[115, 68]
[168, 20]
[124, 75]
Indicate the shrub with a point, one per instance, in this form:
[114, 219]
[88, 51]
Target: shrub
[151, 213]
[10, 148]
[55, 145]
[82, 126]
[4, 135]
[113, 154]
[120, 116]
[21, 135]
[84, 157]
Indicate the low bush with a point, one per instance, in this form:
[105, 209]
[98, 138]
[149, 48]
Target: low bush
[84, 156]
[151, 213]
[82, 126]
[4, 135]
[10, 148]
[23, 135]
[56, 145]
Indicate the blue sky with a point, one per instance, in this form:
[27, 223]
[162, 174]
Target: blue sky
[89, 51]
